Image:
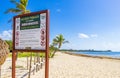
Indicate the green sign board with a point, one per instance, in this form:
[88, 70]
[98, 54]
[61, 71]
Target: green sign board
[30, 22]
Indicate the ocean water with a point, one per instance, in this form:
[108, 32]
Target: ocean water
[108, 54]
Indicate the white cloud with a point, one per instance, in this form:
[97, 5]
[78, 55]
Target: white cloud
[82, 35]
[6, 35]
[94, 35]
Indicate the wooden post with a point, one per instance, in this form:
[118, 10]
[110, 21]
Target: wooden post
[39, 63]
[30, 65]
[27, 62]
[34, 65]
[47, 65]
[13, 64]
[47, 48]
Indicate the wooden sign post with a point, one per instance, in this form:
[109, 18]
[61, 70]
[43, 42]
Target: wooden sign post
[31, 34]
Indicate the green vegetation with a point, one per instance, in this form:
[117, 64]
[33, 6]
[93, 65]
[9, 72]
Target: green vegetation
[28, 54]
[9, 42]
[57, 43]
[90, 50]
[20, 7]
[59, 40]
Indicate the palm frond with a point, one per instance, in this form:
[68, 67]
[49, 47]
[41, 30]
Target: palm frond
[12, 10]
[55, 42]
[21, 6]
[24, 2]
[27, 11]
[65, 42]
[10, 20]
[14, 2]
[59, 40]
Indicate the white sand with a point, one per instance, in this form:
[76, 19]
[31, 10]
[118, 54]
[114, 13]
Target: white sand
[69, 66]
[6, 71]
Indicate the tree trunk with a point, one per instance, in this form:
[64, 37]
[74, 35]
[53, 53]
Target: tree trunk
[54, 53]
[30, 66]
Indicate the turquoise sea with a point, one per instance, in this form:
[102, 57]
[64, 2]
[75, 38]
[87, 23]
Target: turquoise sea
[108, 54]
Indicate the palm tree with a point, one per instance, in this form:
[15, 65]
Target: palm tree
[9, 42]
[58, 41]
[20, 7]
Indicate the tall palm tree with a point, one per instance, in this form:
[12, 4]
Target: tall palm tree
[58, 41]
[20, 7]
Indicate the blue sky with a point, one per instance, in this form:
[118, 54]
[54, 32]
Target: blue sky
[86, 24]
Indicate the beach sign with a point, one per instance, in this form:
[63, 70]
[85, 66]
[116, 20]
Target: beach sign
[30, 31]
[31, 34]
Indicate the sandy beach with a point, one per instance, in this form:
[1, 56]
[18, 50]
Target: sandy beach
[69, 66]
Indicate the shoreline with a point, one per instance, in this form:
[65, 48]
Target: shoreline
[84, 55]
